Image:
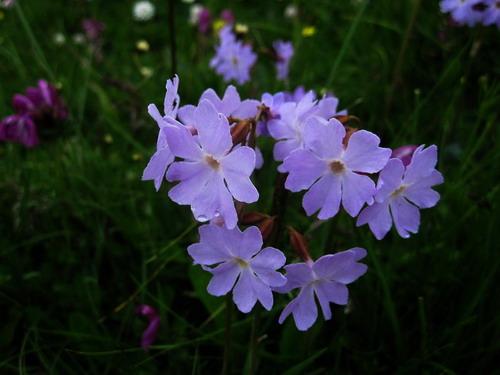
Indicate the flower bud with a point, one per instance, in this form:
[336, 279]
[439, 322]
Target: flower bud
[404, 153]
[253, 218]
[239, 132]
[299, 244]
[267, 227]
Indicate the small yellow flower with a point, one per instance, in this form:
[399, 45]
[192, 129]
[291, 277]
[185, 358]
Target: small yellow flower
[136, 156]
[218, 24]
[108, 138]
[241, 28]
[142, 45]
[146, 71]
[308, 31]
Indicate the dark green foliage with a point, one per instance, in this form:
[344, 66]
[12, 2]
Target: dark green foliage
[80, 233]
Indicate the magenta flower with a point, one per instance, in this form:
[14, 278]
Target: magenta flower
[19, 129]
[238, 263]
[41, 103]
[230, 105]
[233, 59]
[227, 16]
[163, 157]
[212, 173]
[92, 29]
[204, 20]
[404, 153]
[325, 279]
[288, 129]
[468, 12]
[330, 172]
[284, 52]
[149, 335]
[401, 192]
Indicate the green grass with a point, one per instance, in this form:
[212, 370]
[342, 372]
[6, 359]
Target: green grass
[83, 240]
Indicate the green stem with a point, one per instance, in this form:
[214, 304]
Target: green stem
[226, 365]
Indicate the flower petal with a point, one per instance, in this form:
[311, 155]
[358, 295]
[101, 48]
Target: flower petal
[422, 164]
[243, 293]
[304, 169]
[324, 195]
[406, 217]
[342, 266]
[305, 312]
[213, 129]
[182, 143]
[324, 138]
[378, 218]
[157, 167]
[356, 191]
[363, 154]
[224, 277]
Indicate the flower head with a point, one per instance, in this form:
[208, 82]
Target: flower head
[238, 263]
[163, 157]
[212, 172]
[401, 192]
[41, 103]
[284, 52]
[331, 172]
[143, 10]
[149, 334]
[288, 129]
[325, 279]
[233, 59]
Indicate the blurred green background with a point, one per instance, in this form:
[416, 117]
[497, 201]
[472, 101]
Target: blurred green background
[83, 241]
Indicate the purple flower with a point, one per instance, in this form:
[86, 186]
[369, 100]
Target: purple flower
[404, 153]
[41, 103]
[212, 173]
[492, 13]
[20, 129]
[239, 265]
[468, 12]
[401, 192]
[163, 157]
[326, 279]
[230, 105]
[149, 335]
[289, 127]
[284, 53]
[233, 59]
[92, 29]
[330, 172]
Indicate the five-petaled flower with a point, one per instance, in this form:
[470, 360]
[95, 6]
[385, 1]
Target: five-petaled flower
[326, 279]
[233, 59]
[401, 192]
[331, 172]
[238, 263]
[288, 129]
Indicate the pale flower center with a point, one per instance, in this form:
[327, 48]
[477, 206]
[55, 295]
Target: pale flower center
[241, 262]
[337, 167]
[214, 164]
[400, 190]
